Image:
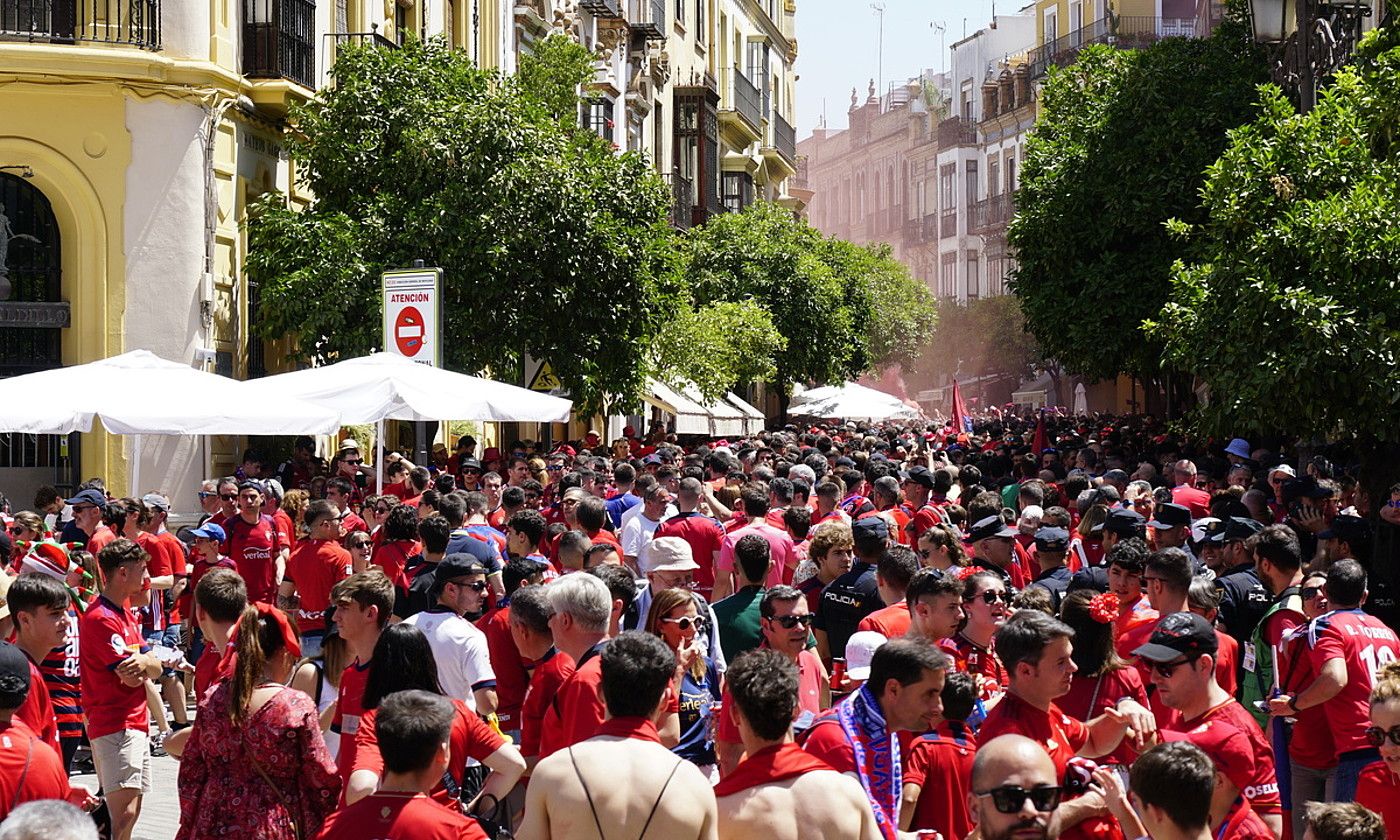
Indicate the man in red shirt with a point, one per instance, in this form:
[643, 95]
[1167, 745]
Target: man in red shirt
[1166, 579]
[530, 613]
[860, 735]
[1015, 790]
[1185, 492]
[364, 603]
[1348, 648]
[938, 766]
[30, 769]
[413, 728]
[115, 665]
[1182, 654]
[923, 501]
[781, 552]
[161, 617]
[892, 575]
[512, 676]
[317, 565]
[579, 624]
[800, 795]
[935, 606]
[704, 534]
[254, 545]
[219, 601]
[39, 606]
[1035, 649]
[1174, 788]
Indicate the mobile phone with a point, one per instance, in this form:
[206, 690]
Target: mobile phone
[1262, 705]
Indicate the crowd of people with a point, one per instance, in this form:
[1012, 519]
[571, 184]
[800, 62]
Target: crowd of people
[1028, 627]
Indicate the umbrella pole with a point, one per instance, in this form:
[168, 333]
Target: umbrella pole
[379, 457]
[136, 466]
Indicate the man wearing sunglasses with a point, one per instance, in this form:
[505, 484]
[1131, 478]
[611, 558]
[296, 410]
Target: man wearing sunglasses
[1036, 651]
[993, 549]
[317, 565]
[460, 649]
[1015, 790]
[87, 518]
[1181, 654]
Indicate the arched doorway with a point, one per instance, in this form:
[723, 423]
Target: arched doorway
[33, 316]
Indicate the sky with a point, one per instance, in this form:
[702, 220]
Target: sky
[838, 48]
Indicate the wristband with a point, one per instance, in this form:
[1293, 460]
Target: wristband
[1293, 703]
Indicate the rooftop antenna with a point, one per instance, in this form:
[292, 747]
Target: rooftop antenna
[942, 29]
[879, 9]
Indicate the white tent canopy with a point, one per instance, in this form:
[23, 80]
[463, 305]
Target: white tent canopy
[383, 386]
[851, 401]
[753, 418]
[139, 393]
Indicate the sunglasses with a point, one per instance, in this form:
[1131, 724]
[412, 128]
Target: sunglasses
[925, 553]
[206, 494]
[17, 530]
[1009, 799]
[231, 498]
[475, 586]
[555, 467]
[991, 597]
[1375, 736]
[1166, 669]
[684, 623]
[471, 472]
[788, 622]
[1310, 592]
[359, 545]
[381, 510]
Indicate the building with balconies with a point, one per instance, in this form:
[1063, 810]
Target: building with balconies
[1064, 27]
[136, 133]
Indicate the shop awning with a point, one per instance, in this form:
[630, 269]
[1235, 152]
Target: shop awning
[697, 416]
[754, 420]
[691, 417]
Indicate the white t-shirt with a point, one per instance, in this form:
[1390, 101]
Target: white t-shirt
[635, 512]
[463, 659]
[636, 534]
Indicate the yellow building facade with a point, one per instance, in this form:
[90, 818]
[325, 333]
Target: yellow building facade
[133, 135]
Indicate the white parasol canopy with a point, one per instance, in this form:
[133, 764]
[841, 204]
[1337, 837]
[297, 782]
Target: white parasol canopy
[383, 386]
[851, 401]
[139, 393]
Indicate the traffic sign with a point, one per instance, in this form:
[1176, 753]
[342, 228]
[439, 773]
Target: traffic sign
[413, 314]
[545, 379]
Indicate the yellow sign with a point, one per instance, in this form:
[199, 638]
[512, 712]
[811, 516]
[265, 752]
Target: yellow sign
[544, 379]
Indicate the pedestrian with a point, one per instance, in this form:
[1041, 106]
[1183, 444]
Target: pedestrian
[935, 606]
[674, 619]
[738, 615]
[403, 661]
[39, 606]
[1015, 789]
[30, 769]
[1101, 676]
[938, 766]
[622, 776]
[414, 731]
[853, 595]
[255, 764]
[860, 736]
[779, 790]
[1171, 787]
[986, 603]
[315, 567]
[461, 650]
[114, 667]
[363, 603]
[253, 541]
[1342, 821]
[48, 819]
[219, 602]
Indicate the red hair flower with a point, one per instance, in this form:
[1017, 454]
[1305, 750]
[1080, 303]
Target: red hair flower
[1103, 607]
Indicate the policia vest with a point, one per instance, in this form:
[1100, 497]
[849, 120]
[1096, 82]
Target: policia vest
[1259, 659]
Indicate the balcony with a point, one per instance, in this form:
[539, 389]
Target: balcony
[784, 142]
[801, 179]
[742, 106]
[647, 18]
[957, 131]
[602, 9]
[134, 23]
[1128, 32]
[341, 40]
[990, 215]
[914, 231]
[279, 40]
[682, 201]
[948, 224]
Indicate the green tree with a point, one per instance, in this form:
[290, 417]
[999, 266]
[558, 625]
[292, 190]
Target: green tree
[1290, 310]
[900, 312]
[550, 242]
[1120, 146]
[983, 337]
[719, 346]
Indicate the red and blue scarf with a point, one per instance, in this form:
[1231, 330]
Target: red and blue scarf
[876, 752]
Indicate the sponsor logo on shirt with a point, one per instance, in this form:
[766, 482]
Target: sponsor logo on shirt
[1256, 791]
[118, 644]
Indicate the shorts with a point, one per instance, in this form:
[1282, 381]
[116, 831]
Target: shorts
[123, 760]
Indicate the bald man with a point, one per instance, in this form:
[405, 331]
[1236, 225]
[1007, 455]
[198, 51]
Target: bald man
[623, 776]
[779, 791]
[1004, 800]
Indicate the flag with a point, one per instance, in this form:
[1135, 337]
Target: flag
[1038, 444]
[961, 421]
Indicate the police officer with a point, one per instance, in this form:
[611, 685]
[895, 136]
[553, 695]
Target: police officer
[1243, 598]
[1051, 544]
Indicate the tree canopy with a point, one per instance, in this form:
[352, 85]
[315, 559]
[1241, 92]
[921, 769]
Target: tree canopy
[550, 241]
[986, 336]
[1290, 308]
[842, 309]
[1121, 146]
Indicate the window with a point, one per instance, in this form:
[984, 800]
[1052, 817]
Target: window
[948, 276]
[737, 191]
[700, 16]
[680, 12]
[597, 118]
[971, 182]
[1011, 171]
[948, 194]
[965, 109]
[993, 175]
[400, 23]
[758, 73]
[974, 287]
[1051, 29]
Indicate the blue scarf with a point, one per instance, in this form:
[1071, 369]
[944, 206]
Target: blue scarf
[876, 752]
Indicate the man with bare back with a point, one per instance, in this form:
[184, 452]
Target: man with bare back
[780, 791]
[622, 784]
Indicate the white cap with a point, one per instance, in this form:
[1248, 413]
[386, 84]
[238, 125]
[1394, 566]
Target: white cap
[349, 443]
[860, 649]
[667, 554]
[156, 500]
[1286, 469]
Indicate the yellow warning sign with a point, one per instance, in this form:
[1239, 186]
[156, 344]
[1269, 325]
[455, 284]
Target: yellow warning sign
[544, 379]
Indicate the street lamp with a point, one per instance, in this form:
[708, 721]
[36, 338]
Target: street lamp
[1311, 40]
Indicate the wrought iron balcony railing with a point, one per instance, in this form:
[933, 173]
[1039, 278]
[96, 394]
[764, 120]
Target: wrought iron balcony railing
[132, 22]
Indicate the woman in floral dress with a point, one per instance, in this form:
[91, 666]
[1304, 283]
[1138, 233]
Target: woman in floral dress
[256, 767]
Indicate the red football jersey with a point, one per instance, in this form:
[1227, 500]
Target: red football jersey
[1365, 644]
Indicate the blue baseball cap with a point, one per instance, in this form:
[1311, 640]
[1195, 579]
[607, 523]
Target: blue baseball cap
[210, 531]
[88, 497]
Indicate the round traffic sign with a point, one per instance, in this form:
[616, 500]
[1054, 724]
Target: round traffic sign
[409, 329]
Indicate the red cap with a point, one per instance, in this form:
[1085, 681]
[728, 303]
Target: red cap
[1226, 745]
[491, 454]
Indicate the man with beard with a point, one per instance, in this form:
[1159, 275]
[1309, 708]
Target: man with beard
[1015, 790]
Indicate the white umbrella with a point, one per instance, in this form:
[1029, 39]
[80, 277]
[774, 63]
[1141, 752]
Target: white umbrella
[383, 386]
[139, 393]
[852, 401]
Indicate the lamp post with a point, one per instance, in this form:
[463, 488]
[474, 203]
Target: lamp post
[1311, 40]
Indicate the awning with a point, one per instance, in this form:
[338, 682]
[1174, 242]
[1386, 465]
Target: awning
[691, 418]
[754, 420]
[697, 416]
[725, 419]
